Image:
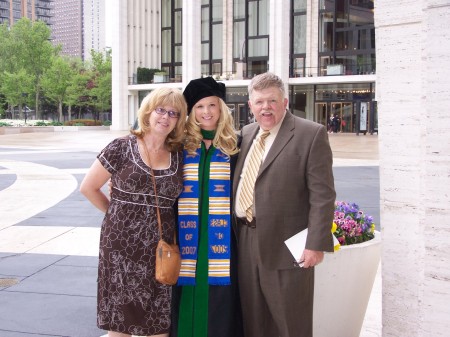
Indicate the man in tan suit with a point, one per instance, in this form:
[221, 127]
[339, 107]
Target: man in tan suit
[294, 190]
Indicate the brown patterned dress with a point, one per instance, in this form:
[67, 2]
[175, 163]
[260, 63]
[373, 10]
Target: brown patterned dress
[129, 298]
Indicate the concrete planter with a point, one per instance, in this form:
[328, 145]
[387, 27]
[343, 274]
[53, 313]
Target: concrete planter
[343, 284]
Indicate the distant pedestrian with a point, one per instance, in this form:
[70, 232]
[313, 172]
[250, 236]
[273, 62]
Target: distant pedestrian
[330, 124]
[336, 123]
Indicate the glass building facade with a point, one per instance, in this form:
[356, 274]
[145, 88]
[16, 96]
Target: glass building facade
[330, 49]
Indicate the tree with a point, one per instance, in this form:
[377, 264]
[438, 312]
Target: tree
[33, 52]
[77, 92]
[102, 86]
[16, 88]
[56, 80]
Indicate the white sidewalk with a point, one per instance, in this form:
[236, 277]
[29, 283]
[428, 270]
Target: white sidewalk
[348, 150]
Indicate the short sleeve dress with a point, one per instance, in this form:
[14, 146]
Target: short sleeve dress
[129, 299]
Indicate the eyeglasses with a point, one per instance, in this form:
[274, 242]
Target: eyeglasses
[162, 112]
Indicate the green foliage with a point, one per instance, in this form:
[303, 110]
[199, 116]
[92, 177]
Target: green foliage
[145, 75]
[107, 123]
[30, 67]
[5, 124]
[102, 81]
[83, 122]
[41, 123]
[56, 80]
[32, 51]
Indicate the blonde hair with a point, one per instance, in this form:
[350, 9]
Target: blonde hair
[225, 139]
[158, 98]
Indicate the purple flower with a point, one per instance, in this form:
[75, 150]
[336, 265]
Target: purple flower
[353, 226]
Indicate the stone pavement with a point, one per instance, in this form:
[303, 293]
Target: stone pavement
[49, 232]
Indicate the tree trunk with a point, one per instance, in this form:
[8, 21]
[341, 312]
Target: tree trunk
[60, 118]
[21, 115]
[38, 112]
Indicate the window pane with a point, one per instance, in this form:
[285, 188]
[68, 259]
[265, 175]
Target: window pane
[178, 27]
[166, 11]
[258, 47]
[361, 13]
[205, 51]
[299, 67]
[299, 5]
[178, 4]
[217, 42]
[217, 10]
[178, 72]
[166, 44]
[344, 40]
[300, 34]
[239, 9]
[238, 40]
[252, 19]
[178, 53]
[205, 24]
[217, 68]
[326, 32]
[205, 69]
[263, 18]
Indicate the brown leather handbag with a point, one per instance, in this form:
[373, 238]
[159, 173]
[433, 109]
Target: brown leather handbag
[168, 258]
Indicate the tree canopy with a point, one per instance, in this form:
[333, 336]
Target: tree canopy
[32, 70]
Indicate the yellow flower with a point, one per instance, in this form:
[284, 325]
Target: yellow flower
[372, 228]
[334, 229]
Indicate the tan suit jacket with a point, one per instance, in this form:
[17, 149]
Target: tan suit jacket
[294, 189]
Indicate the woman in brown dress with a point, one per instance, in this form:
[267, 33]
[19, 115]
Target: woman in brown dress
[129, 300]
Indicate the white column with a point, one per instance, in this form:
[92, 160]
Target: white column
[191, 40]
[279, 29]
[413, 94]
[312, 38]
[119, 65]
[227, 45]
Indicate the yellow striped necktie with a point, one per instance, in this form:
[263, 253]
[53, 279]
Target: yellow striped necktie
[251, 172]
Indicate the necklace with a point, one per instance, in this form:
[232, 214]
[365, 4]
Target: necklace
[147, 148]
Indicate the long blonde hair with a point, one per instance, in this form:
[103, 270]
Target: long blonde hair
[225, 139]
[162, 97]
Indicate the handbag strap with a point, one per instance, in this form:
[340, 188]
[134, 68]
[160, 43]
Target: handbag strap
[156, 196]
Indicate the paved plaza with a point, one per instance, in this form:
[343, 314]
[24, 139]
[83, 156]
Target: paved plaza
[49, 232]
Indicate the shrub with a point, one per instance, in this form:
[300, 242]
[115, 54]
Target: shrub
[83, 122]
[42, 123]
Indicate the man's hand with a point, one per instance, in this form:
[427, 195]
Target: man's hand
[311, 258]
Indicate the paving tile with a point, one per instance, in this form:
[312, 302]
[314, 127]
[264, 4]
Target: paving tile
[33, 314]
[24, 265]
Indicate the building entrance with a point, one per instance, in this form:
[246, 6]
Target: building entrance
[343, 111]
[346, 114]
[240, 114]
